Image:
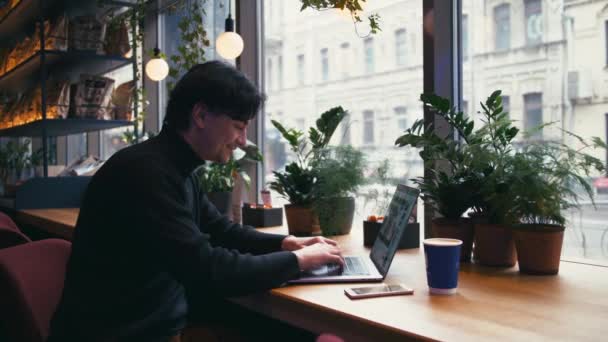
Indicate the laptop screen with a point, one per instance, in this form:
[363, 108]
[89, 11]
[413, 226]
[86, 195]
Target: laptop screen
[395, 221]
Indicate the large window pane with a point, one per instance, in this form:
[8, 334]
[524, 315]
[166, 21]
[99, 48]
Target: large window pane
[366, 77]
[549, 69]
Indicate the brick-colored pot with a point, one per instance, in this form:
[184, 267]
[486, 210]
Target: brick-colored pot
[301, 220]
[539, 248]
[461, 229]
[494, 245]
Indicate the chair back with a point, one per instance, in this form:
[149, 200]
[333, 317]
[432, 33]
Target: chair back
[7, 222]
[10, 234]
[31, 283]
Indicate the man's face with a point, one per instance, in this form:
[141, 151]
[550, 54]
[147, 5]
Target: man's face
[220, 136]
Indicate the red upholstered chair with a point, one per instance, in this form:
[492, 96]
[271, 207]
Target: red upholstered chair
[10, 235]
[31, 283]
[7, 221]
[325, 337]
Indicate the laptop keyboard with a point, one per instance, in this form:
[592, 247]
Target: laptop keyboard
[354, 266]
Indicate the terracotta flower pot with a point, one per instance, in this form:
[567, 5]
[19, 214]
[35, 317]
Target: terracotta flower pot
[494, 245]
[461, 229]
[539, 248]
[301, 220]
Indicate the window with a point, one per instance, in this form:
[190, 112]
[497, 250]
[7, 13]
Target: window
[534, 22]
[502, 27]
[345, 51]
[280, 72]
[465, 36]
[400, 47]
[368, 48]
[368, 127]
[301, 70]
[353, 65]
[533, 111]
[506, 105]
[606, 38]
[324, 65]
[269, 75]
[465, 109]
[534, 90]
[345, 138]
[400, 114]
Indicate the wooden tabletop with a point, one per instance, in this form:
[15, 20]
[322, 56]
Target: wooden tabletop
[59, 222]
[491, 304]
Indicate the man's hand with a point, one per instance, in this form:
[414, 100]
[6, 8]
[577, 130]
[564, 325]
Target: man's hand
[292, 243]
[317, 255]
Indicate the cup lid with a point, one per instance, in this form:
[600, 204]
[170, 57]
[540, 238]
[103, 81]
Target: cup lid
[442, 242]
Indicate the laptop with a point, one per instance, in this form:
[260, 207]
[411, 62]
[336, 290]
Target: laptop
[375, 266]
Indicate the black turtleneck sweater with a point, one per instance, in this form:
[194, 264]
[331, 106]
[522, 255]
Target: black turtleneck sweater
[147, 242]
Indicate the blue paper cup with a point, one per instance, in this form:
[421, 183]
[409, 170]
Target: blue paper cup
[442, 264]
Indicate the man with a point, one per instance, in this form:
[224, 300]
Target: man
[149, 250]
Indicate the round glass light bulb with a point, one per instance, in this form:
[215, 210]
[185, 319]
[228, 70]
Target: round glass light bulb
[157, 69]
[229, 45]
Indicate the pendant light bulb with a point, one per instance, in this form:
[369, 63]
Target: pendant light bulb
[157, 68]
[229, 44]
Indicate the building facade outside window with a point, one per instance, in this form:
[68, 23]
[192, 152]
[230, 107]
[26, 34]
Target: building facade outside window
[400, 47]
[502, 27]
[534, 21]
[359, 81]
[368, 48]
[324, 65]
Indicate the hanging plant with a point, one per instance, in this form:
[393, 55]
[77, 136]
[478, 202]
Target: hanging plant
[352, 6]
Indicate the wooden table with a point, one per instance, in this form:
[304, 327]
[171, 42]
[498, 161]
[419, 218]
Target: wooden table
[60, 222]
[491, 304]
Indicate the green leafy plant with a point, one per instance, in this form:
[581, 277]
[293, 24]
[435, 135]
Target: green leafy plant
[448, 188]
[339, 171]
[221, 177]
[544, 179]
[297, 181]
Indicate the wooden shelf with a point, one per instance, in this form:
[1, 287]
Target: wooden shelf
[28, 72]
[22, 17]
[61, 127]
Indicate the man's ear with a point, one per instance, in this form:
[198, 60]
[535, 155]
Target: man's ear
[198, 114]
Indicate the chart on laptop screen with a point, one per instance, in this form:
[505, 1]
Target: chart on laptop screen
[396, 220]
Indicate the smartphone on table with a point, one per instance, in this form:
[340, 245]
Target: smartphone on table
[377, 291]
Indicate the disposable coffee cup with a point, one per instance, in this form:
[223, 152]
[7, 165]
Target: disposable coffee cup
[442, 264]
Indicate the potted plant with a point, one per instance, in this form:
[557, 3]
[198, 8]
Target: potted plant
[545, 179]
[297, 181]
[493, 198]
[218, 180]
[448, 188]
[339, 172]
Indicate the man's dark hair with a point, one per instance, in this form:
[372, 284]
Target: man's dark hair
[220, 87]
